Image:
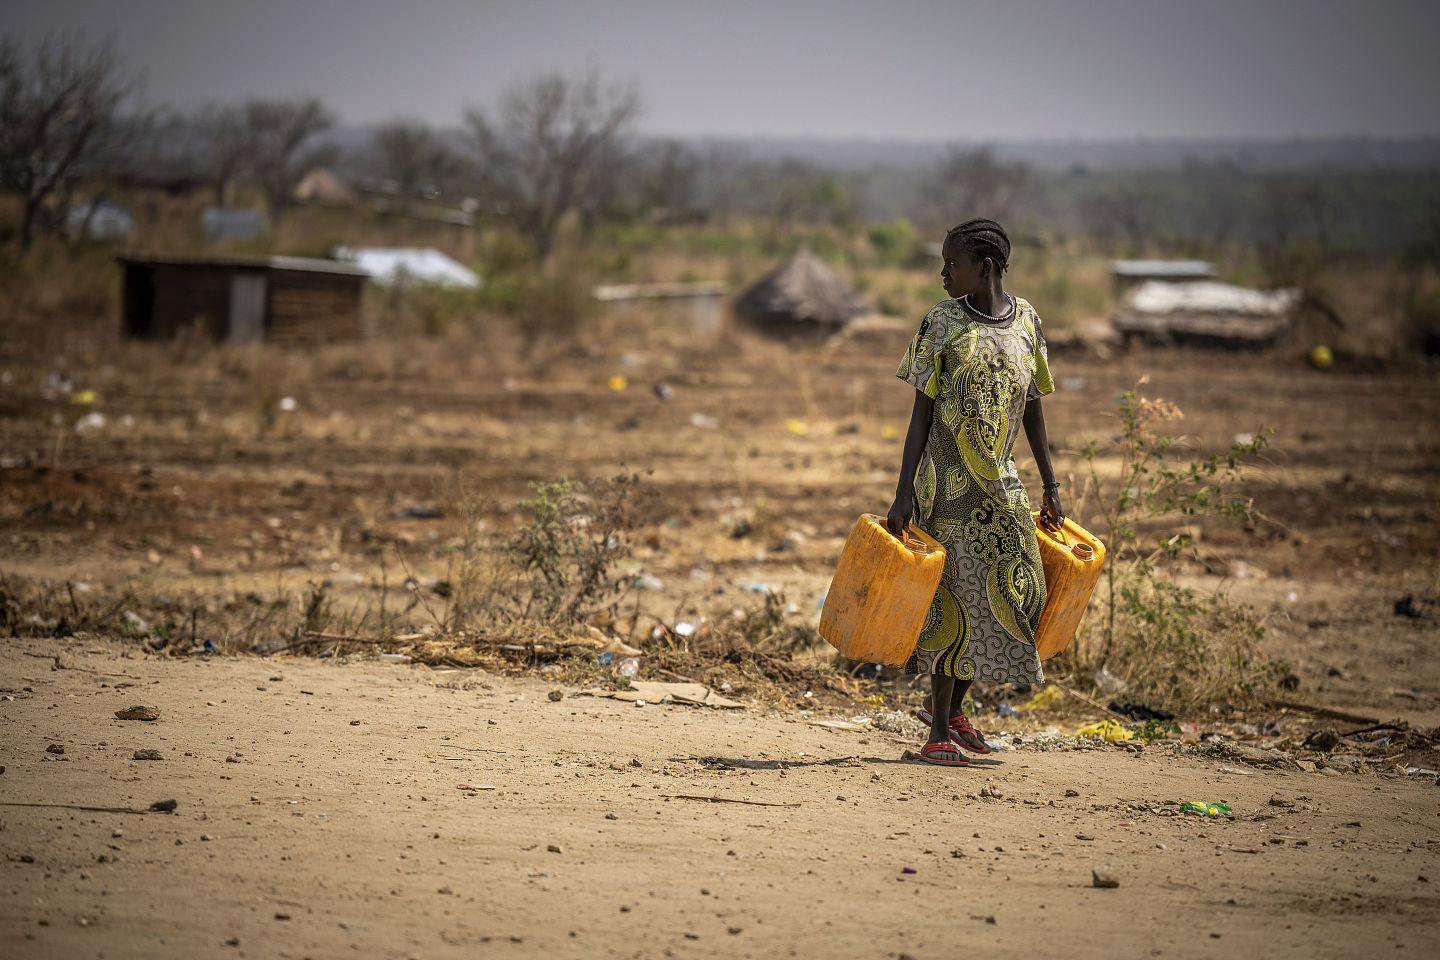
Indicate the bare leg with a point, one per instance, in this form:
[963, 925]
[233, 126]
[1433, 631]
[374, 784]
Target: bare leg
[941, 690]
[952, 707]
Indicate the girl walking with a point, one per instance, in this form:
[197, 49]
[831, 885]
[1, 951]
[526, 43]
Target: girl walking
[979, 369]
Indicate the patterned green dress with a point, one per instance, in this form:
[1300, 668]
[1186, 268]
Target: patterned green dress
[982, 622]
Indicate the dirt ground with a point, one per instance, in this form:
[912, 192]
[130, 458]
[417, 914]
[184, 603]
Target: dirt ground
[331, 797]
[321, 814]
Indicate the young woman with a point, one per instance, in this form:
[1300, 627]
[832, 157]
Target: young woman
[979, 369]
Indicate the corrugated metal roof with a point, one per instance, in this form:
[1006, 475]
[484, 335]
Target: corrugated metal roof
[390, 265]
[1180, 269]
[1155, 297]
[311, 264]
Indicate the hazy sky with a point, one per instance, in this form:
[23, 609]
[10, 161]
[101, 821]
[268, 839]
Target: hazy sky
[908, 69]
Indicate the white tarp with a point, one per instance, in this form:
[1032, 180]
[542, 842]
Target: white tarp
[388, 266]
[1208, 296]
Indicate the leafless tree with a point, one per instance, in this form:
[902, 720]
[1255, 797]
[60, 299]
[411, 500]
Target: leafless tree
[282, 136]
[410, 154]
[669, 180]
[547, 149]
[973, 183]
[227, 148]
[61, 108]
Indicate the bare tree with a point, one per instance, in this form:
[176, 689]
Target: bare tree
[282, 139]
[973, 183]
[228, 148]
[548, 146]
[410, 154]
[60, 109]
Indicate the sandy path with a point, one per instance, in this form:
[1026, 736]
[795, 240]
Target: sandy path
[327, 838]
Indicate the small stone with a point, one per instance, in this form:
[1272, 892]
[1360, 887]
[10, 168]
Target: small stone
[63, 661]
[1277, 800]
[1323, 740]
[117, 834]
[138, 712]
[354, 723]
[1072, 793]
[553, 848]
[206, 838]
[147, 755]
[55, 748]
[556, 696]
[165, 806]
[1102, 877]
[734, 930]
[611, 816]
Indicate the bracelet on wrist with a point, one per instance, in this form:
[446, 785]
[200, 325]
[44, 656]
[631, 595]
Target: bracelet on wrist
[1052, 485]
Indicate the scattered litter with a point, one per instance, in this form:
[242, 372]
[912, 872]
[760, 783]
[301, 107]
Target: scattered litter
[1238, 771]
[395, 657]
[684, 629]
[618, 383]
[1107, 730]
[288, 404]
[92, 422]
[703, 422]
[695, 694]
[474, 786]
[647, 581]
[629, 667]
[860, 723]
[798, 427]
[418, 513]
[1139, 712]
[753, 803]
[1103, 878]
[1043, 700]
[1205, 809]
[757, 586]
[1107, 683]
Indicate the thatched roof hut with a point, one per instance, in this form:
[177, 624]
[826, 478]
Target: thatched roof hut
[801, 296]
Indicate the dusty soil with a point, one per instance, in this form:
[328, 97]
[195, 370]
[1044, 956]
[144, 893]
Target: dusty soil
[206, 505]
[321, 814]
[202, 493]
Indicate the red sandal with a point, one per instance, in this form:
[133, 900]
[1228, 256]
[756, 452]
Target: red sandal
[960, 725]
[927, 753]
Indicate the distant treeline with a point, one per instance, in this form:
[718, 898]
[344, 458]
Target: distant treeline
[564, 149]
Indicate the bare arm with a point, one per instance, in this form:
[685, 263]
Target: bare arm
[1034, 421]
[918, 434]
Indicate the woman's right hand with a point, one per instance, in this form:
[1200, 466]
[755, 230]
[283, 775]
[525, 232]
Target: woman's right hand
[900, 513]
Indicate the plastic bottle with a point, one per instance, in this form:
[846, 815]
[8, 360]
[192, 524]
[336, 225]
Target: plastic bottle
[629, 667]
[396, 657]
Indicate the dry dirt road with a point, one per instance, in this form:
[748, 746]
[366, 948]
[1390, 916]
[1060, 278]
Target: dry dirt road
[321, 815]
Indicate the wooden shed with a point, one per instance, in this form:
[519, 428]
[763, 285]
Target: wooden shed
[243, 299]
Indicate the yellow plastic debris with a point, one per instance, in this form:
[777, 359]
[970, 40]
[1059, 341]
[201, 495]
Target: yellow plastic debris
[618, 382]
[1043, 700]
[797, 427]
[889, 432]
[1105, 730]
[83, 398]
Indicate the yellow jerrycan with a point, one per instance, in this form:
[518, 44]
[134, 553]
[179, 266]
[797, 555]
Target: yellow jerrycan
[881, 592]
[1073, 560]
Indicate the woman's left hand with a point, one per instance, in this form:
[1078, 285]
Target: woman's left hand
[1051, 509]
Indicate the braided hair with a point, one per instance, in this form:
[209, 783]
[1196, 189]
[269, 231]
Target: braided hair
[982, 238]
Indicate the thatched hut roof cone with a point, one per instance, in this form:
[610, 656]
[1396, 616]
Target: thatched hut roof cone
[802, 294]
